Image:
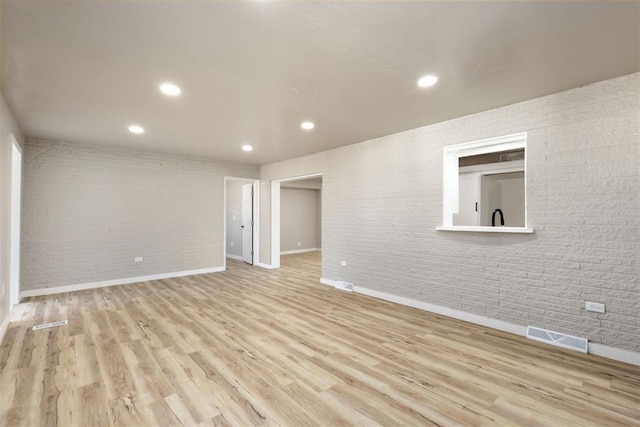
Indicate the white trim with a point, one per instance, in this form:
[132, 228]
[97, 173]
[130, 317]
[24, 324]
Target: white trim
[328, 282]
[300, 251]
[488, 145]
[619, 354]
[263, 265]
[237, 257]
[15, 197]
[482, 229]
[116, 282]
[445, 311]
[4, 327]
[275, 224]
[256, 221]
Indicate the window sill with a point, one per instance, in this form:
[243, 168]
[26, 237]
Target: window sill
[477, 229]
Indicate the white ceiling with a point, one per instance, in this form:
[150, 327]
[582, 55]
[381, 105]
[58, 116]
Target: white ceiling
[251, 71]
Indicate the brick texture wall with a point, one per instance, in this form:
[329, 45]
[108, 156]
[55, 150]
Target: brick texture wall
[382, 200]
[87, 212]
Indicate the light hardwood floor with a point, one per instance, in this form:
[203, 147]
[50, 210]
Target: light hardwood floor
[256, 347]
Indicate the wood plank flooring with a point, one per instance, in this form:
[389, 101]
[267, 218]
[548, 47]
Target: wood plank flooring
[257, 347]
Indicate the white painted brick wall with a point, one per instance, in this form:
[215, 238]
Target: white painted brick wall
[382, 200]
[87, 212]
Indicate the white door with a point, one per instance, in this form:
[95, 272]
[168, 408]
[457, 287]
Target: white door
[468, 194]
[247, 223]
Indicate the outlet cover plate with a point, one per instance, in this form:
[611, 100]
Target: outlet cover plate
[594, 306]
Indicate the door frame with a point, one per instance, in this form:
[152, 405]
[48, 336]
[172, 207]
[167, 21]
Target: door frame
[275, 214]
[250, 187]
[256, 218]
[15, 202]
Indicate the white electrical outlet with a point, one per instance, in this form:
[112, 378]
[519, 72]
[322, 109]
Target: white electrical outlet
[232, 243]
[138, 259]
[299, 244]
[343, 263]
[594, 306]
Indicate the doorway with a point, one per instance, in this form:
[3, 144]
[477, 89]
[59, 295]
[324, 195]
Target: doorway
[293, 231]
[16, 197]
[241, 233]
[247, 223]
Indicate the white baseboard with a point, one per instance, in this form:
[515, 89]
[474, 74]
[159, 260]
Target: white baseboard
[115, 282]
[232, 256]
[300, 251]
[500, 325]
[328, 282]
[4, 327]
[263, 265]
[614, 353]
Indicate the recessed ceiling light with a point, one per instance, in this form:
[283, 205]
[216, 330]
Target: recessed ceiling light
[247, 147]
[170, 89]
[427, 81]
[307, 125]
[136, 129]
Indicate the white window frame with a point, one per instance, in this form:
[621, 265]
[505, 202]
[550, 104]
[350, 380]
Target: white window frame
[451, 173]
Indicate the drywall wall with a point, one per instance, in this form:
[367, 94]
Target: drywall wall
[89, 211]
[234, 218]
[583, 198]
[298, 219]
[8, 126]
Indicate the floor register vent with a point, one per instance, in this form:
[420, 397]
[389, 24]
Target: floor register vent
[50, 325]
[558, 339]
[344, 286]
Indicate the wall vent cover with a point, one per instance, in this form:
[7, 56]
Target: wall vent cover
[558, 339]
[50, 325]
[344, 286]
